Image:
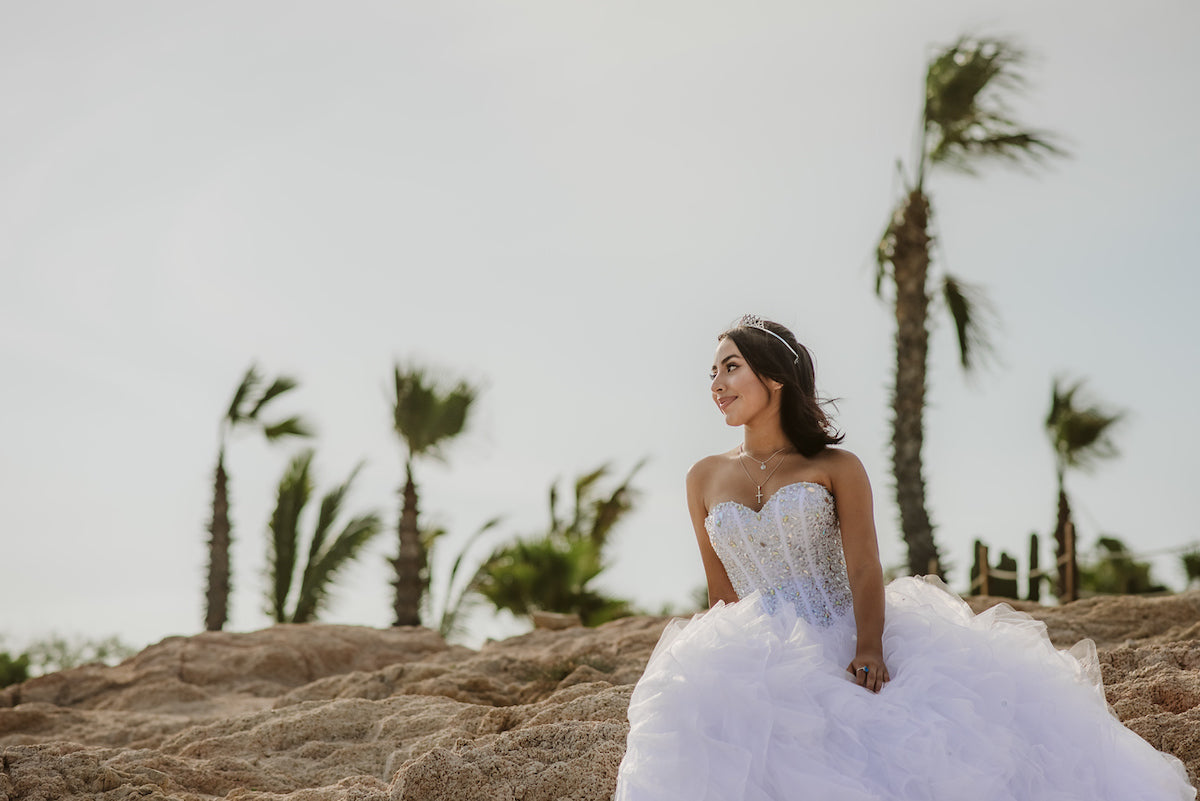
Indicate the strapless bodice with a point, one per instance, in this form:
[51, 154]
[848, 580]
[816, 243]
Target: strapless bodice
[790, 551]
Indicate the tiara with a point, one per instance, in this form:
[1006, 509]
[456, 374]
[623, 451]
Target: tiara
[754, 321]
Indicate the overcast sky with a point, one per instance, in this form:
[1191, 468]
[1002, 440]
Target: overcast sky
[564, 202]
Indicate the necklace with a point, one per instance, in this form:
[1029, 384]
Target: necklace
[762, 465]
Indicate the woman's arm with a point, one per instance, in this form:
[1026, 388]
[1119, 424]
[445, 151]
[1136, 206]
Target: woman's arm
[719, 586]
[856, 515]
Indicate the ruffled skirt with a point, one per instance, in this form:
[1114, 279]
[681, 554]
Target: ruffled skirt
[740, 705]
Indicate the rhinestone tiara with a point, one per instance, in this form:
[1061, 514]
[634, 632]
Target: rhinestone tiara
[754, 321]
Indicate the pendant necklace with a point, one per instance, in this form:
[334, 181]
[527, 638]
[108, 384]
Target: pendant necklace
[762, 466]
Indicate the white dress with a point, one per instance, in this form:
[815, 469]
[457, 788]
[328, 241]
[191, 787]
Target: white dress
[752, 702]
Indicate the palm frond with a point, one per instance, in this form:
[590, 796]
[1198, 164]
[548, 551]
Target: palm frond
[485, 528]
[294, 490]
[553, 571]
[250, 382]
[608, 511]
[1086, 438]
[450, 624]
[542, 574]
[522, 575]
[963, 154]
[430, 536]
[583, 487]
[412, 407]
[453, 610]
[586, 562]
[331, 505]
[279, 386]
[973, 316]
[966, 111]
[291, 427]
[595, 608]
[423, 415]
[555, 523]
[1061, 400]
[454, 409]
[1080, 430]
[961, 76]
[343, 550]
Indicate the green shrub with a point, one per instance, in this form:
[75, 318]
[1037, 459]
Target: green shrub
[13, 670]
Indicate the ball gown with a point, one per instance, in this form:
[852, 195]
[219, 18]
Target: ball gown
[751, 701]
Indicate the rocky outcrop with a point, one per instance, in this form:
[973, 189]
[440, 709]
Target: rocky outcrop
[1111, 620]
[341, 713]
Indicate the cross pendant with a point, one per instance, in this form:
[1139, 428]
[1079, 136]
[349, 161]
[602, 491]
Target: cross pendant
[760, 494]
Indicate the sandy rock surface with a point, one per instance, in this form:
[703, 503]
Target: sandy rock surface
[342, 713]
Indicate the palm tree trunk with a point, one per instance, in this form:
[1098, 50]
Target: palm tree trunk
[217, 595]
[409, 558]
[1060, 538]
[910, 260]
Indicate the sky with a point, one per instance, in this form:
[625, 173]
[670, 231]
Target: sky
[563, 203]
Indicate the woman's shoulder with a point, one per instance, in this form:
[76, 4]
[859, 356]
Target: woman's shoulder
[700, 474]
[842, 466]
[838, 458]
[702, 469]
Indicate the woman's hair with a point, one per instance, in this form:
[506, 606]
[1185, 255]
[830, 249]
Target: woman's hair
[767, 352]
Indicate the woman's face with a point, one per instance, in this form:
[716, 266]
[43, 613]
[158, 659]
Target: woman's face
[737, 390]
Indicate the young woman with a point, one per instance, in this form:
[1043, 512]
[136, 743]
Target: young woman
[807, 679]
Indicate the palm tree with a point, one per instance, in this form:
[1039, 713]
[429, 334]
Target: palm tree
[1080, 433]
[552, 573]
[249, 401]
[425, 417]
[1190, 560]
[457, 597]
[1115, 571]
[325, 557]
[964, 122]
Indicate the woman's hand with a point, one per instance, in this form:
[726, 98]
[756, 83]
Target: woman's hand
[852, 491]
[869, 671]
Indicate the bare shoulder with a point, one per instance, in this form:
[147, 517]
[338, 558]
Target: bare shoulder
[704, 479]
[844, 468]
[699, 474]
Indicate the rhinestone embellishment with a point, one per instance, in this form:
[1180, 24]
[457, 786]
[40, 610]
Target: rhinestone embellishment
[798, 558]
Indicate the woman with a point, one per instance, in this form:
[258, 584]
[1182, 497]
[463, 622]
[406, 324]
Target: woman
[807, 679]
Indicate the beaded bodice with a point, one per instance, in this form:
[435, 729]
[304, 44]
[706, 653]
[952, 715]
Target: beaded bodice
[790, 551]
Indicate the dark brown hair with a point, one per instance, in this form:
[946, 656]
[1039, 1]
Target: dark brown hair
[801, 414]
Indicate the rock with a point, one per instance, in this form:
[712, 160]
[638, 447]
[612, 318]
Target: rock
[553, 621]
[190, 674]
[342, 713]
[1113, 619]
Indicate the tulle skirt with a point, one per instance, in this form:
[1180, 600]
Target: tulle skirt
[740, 705]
